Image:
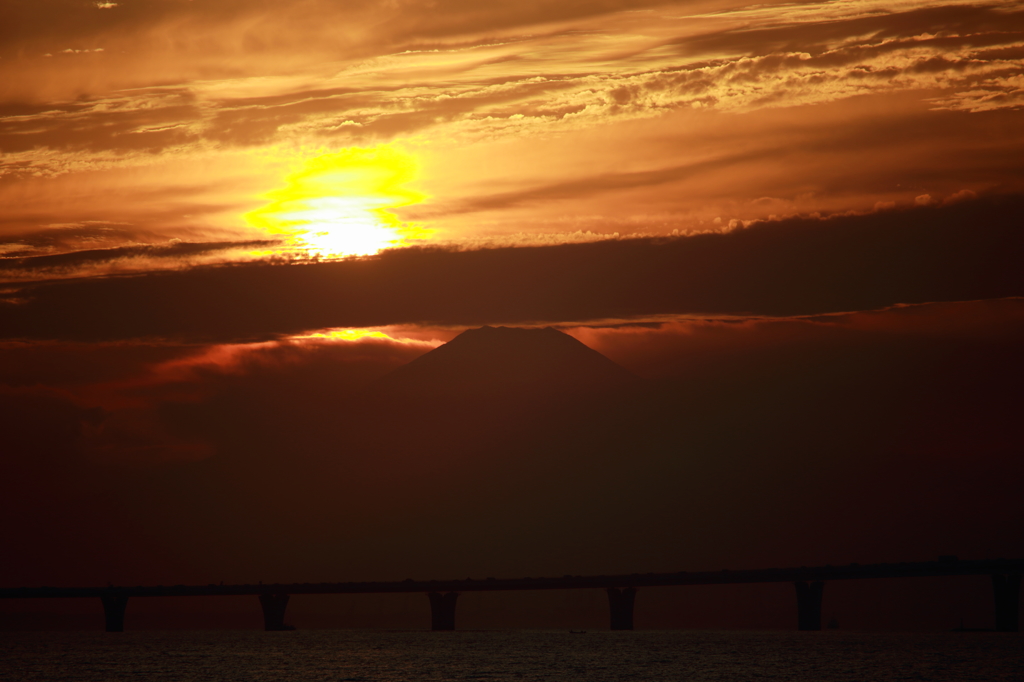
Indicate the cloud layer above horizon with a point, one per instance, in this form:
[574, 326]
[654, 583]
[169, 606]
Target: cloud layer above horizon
[143, 125]
[795, 267]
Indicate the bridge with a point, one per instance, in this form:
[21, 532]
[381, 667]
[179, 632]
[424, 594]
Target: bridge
[621, 589]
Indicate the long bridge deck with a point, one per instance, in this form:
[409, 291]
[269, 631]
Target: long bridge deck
[922, 569]
[809, 582]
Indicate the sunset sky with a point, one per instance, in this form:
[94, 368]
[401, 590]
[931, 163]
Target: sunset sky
[799, 224]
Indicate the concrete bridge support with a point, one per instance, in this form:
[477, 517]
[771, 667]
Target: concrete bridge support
[113, 611]
[1006, 590]
[442, 610]
[274, 606]
[808, 604]
[620, 603]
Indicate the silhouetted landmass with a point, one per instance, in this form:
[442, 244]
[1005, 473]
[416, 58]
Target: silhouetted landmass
[526, 404]
[842, 445]
[496, 359]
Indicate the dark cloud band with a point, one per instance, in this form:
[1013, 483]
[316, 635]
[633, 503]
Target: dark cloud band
[969, 250]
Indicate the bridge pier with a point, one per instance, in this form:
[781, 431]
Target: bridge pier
[1006, 590]
[808, 604]
[442, 610]
[620, 604]
[113, 611]
[274, 606]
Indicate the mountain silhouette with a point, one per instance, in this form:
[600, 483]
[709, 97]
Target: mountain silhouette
[513, 409]
[507, 359]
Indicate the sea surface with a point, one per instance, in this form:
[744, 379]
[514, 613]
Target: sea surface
[369, 656]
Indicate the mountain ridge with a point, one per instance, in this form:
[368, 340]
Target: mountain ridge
[507, 358]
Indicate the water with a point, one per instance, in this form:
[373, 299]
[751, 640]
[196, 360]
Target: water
[494, 656]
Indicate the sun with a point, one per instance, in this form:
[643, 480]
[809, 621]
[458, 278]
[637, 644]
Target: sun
[340, 204]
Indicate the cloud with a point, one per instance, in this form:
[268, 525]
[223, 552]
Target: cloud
[769, 57]
[122, 399]
[684, 348]
[120, 260]
[799, 266]
[603, 184]
[827, 107]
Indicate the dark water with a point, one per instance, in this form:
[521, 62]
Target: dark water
[365, 656]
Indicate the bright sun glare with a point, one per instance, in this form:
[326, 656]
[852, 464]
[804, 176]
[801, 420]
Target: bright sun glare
[340, 204]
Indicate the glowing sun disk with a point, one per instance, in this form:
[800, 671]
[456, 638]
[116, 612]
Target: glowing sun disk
[340, 204]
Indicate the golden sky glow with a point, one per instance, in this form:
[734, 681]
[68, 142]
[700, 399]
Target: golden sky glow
[340, 204]
[360, 334]
[469, 126]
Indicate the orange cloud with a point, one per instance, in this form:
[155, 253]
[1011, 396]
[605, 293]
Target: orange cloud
[654, 117]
